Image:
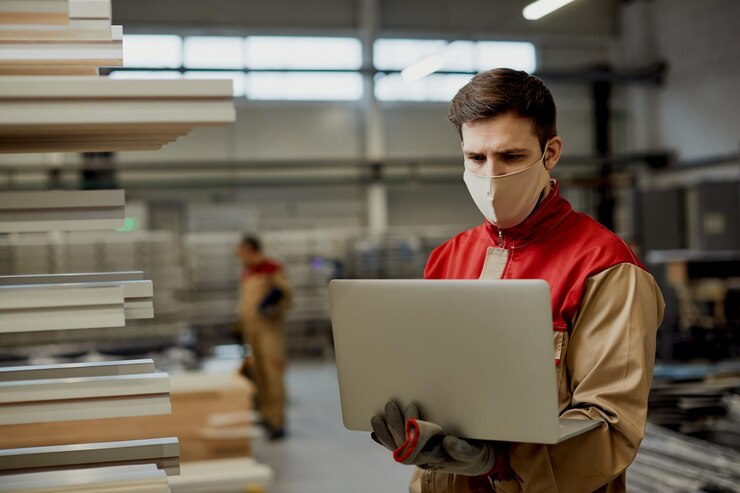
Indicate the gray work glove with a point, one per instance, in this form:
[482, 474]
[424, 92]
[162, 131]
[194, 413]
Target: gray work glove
[426, 445]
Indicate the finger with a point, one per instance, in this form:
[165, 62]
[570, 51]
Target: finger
[375, 439]
[396, 423]
[381, 432]
[461, 450]
[411, 412]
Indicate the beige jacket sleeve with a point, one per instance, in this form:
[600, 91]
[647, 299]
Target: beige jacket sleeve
[280, 281]
[605, 373]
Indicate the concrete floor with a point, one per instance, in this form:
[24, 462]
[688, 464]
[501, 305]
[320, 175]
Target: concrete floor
[320, 455]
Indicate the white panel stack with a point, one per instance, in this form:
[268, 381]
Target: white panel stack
[51, 100]
[46, 393]
[60, 307]
[77, 46]
[162, 452]
[137, 293]
[61, 210]
[39, 114]
[145, 478]
[42, 12]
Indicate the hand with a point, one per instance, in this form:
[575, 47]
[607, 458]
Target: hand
[425, 444]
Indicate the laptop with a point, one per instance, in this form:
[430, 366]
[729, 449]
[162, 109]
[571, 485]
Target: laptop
[475, 356]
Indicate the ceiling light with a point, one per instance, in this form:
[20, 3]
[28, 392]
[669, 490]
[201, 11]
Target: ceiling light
[422, 68]
[541, 8]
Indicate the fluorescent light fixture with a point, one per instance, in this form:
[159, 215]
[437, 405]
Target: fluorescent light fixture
[540, 8]
[422, 68]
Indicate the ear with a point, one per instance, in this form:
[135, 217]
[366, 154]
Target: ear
[552, 154]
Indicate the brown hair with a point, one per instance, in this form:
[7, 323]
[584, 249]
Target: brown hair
[502, 90]
[251, 241]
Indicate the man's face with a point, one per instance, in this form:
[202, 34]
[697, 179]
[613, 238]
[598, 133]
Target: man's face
[247, 254]
[500, 145]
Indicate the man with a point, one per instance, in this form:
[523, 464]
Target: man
[265, 295]
[605, 307]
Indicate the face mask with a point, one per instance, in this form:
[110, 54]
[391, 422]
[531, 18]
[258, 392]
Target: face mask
[507, 200]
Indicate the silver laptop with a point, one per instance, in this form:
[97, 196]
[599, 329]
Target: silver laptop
[477, 356]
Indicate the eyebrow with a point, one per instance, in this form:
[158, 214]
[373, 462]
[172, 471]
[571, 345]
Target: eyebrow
[513, 150]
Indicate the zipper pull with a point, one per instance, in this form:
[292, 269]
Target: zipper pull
[500, 237]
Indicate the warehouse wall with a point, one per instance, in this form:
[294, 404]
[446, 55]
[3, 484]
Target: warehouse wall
[699, 41]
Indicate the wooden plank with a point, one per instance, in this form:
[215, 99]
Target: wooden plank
[83, 388]
[103, 87]
[49, 12]
[54, 210]
[142, 478]
[163, 452]
[35, 71]
[31, 279]
[59, 295]
[76, 370]
[90, 9]
[197, 402]
[14, 116]
[85, 409]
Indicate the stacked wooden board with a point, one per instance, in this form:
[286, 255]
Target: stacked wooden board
[100, 114]
[81, 391]
[61, 210]
[52, 37]
[51, 100]
[209, 416]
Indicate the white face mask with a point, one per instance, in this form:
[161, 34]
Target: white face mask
[507, 200]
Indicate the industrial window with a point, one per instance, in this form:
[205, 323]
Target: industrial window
[516, 55]
[456, 62]
[145, 74]
[435, 87]
[296, 52]
[304, 86]
[397, 54]
[152, 51]
[463, 56]
[322, 68]
[237, 79]
[220, 52]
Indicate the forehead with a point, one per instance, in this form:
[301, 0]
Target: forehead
[507, 130]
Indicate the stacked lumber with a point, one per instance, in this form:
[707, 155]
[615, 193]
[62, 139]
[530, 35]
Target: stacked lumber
[61, 210]
[49, 393]
[209, 417]
[51, 114]
[51, 100]
[52, 37]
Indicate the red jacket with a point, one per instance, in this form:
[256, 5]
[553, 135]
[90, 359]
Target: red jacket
[555, 243]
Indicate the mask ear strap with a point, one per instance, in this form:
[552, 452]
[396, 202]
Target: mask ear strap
[544, 153]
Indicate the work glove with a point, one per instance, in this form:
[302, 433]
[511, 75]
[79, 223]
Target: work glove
[427, 446]
[269, 304]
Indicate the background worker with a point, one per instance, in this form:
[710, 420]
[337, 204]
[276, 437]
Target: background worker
[265, 296]
[606, 307]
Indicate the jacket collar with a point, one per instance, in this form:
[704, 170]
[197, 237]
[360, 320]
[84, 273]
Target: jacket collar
[545, 216]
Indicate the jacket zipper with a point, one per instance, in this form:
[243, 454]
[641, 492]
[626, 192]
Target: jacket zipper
[500, 238]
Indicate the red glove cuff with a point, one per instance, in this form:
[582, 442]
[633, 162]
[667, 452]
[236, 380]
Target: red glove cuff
[412, 439]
